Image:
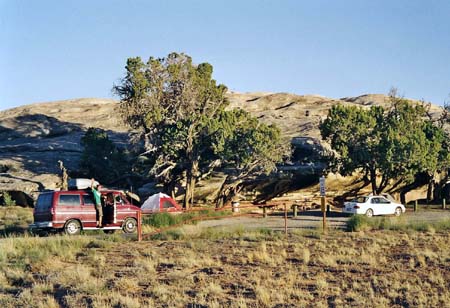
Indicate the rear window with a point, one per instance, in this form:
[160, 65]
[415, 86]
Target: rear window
[360, 200]
[73, 200]
[44, 202]
[380, 200]
[88, 200]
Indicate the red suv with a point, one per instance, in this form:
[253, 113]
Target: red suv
[74, 210]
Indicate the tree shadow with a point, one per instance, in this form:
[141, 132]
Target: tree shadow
[40, 186]
[338, 201]
[14, 230]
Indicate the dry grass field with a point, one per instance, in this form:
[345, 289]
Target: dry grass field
[205, 267]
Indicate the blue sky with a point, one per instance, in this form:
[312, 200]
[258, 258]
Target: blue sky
[53, 50]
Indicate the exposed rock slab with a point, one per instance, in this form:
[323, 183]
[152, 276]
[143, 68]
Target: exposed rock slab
[34, 137]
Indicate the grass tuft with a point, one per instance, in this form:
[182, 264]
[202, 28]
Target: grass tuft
[161, 220]
[176, 234]
[363, 223]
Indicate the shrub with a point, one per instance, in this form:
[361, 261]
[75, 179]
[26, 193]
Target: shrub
[357, 223]
[7, 200]
[168, 235]
[362, 223]
[101, 158]
[161, 220]
[222, 233]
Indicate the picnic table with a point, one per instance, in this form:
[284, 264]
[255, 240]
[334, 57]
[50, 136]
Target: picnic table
[298, 204]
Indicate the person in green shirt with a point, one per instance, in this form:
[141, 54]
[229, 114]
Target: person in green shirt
[98, 202]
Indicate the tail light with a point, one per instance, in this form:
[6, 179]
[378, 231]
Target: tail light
[356, 207]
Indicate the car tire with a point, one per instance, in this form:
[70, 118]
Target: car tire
[398, 211]
[129, 225]
[42, 233]
[369, 213]
[72, 227]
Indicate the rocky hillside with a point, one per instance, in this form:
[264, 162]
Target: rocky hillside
[34, 137]
[300, 115]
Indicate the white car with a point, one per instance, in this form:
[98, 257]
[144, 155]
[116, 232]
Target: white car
[373, 205]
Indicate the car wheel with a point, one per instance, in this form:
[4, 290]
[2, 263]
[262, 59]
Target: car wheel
[369, 213]
[398, 211]
[129, 225]
[72, 227]
[42, 233]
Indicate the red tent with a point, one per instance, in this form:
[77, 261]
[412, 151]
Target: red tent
[160, 203]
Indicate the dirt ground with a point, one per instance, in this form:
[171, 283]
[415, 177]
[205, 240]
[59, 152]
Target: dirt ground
[233, 262]
[307, 269]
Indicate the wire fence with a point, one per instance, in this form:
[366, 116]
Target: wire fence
[323, 219]
[236, 210]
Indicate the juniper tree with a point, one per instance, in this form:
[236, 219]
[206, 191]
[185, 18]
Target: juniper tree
[396, 143]
[178, 109]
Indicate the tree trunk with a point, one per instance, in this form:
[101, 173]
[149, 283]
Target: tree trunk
[193, 182]
[373, 181]
[221, 196]
[190, 172]
[403, 197]
[227, 191]
[169, 187]
[189, 189]
[430, 189]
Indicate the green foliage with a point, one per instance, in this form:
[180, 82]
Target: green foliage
[29, 250]
[8, 200]
[169, 235]
[245, 147]
[386, 144]
[101, 159]
[357, 223]
[354, 135]
[363, 223]
[14, 220]
[222, 233]
[161, 220]
[180, 112]
[213, 234]
[244, 143]
[170, 100]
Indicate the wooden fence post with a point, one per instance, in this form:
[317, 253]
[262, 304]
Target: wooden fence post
[285, 219]
[139, 226]
[324, 213]
[415, 205]
[443, 204]
[295, 207]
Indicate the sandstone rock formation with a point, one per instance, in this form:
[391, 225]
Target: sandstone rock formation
[34, 137]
